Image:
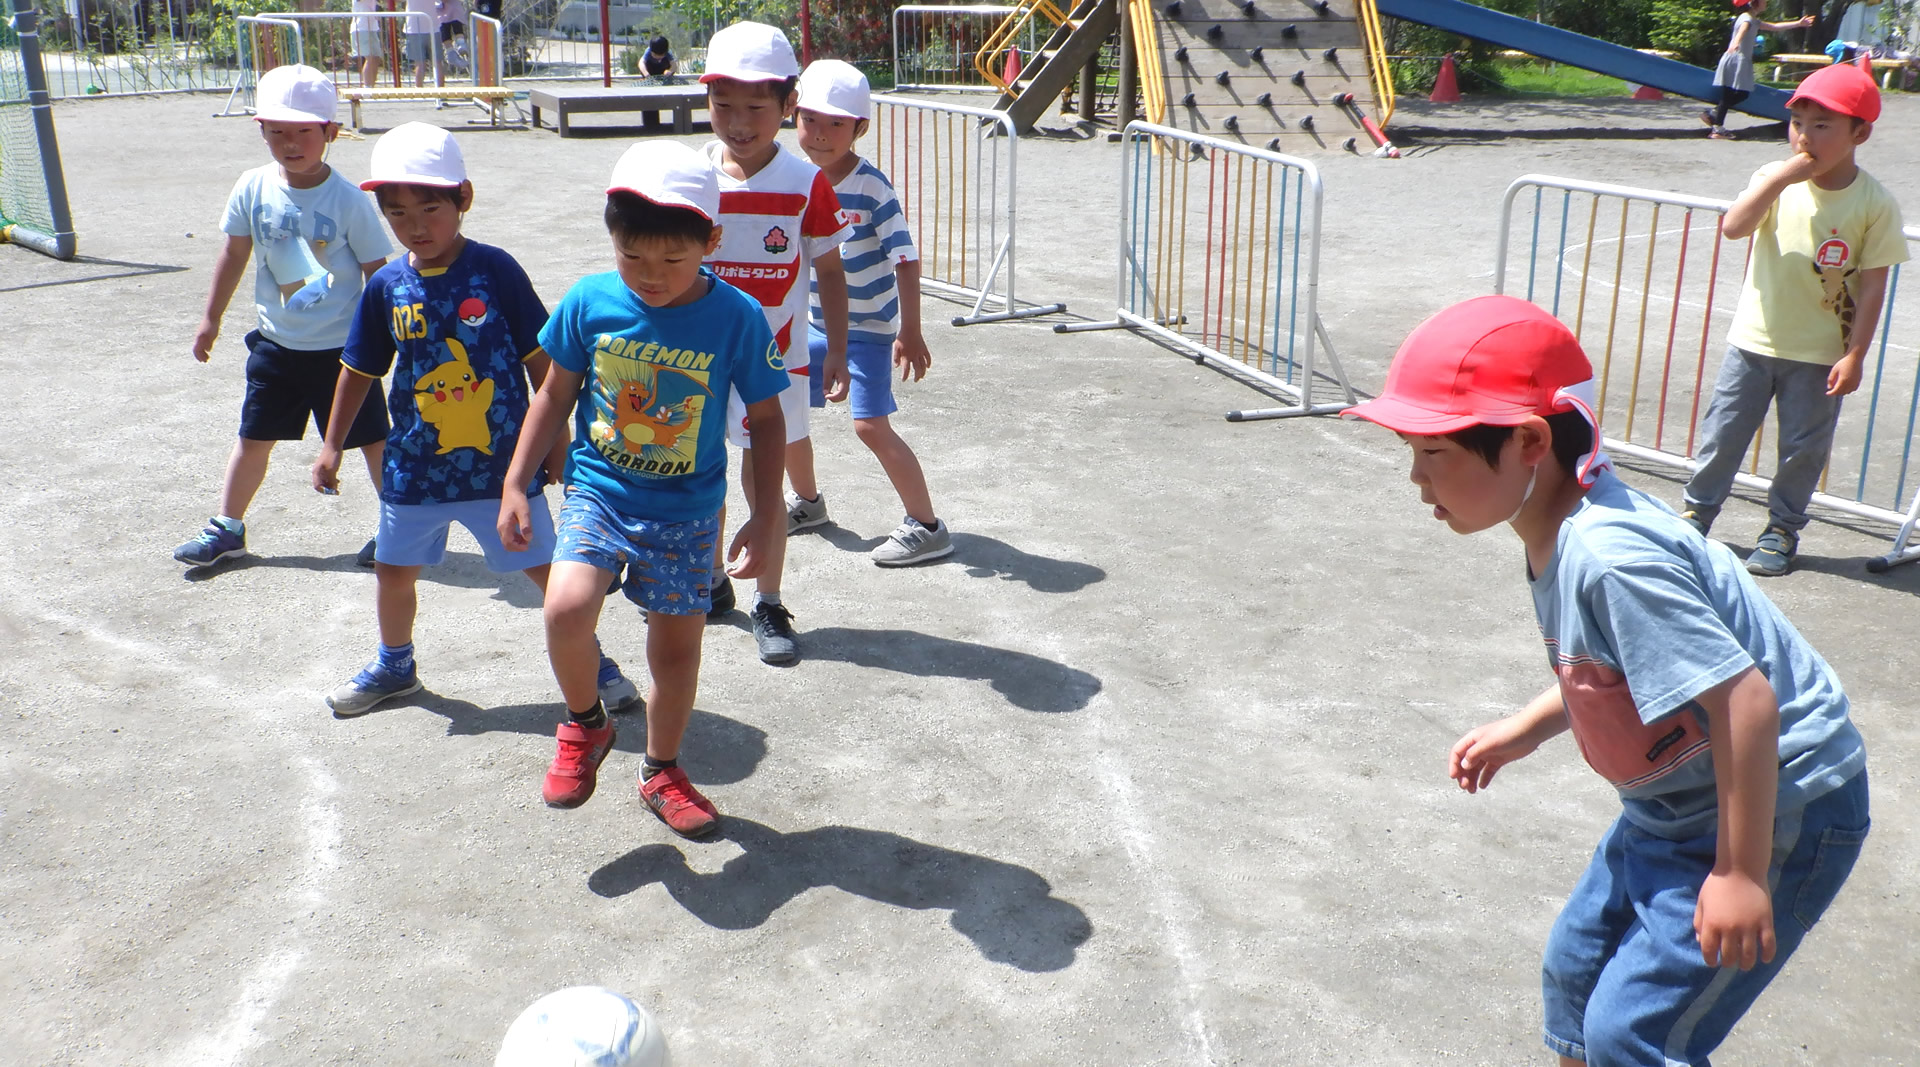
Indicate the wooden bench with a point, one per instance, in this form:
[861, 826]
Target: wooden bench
[650, 100]
[494, 98]
[1808, 59]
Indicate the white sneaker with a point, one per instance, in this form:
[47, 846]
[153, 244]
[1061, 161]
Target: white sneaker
[911, 542]
[802, 514]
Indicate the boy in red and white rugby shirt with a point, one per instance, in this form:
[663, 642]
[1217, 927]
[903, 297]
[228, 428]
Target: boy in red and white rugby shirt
[778, 215]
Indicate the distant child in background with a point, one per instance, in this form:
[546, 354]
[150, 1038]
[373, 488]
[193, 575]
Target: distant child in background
[1742, 780]
[365, 40]
[1825, 234]
[643, 358]
[658, 61]
[779, 215]
[421, 22]
[1734, 74]
[883, 314]
[458, 324]
[453, 34]
[313, 238]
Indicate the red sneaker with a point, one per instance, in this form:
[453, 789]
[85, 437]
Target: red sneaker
[679, 804]
[571, 777]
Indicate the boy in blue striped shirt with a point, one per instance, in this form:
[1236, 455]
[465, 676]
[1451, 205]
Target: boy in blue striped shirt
[883, 314]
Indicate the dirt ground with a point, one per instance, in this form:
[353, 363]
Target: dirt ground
[1151, 772]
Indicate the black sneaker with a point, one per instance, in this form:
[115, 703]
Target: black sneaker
[365, 558]
[723, 600]
[773, 632]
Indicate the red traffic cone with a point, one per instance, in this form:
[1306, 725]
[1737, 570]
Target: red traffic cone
[1446, 86]
[1646, 92]
[1011, 72]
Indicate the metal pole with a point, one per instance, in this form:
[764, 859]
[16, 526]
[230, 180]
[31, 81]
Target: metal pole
[59, 244]
[606, 47]
[806, 31]
[1129, 67]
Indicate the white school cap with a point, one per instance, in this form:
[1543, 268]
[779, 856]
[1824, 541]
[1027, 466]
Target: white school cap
[294, 93]
[836, 87]
[671, 174]
[750, 52]
[417, 153]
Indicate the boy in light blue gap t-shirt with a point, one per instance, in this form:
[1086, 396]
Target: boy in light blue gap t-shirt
[1742, 781]
[644, 358]
[313, 237]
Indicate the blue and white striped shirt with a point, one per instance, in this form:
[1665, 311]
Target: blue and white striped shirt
[879, 242]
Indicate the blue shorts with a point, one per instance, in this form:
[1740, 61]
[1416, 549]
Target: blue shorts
[1623, 979]
[415, 535]
[286, 387]
[419, 47]
[671, 563]
[871, 368]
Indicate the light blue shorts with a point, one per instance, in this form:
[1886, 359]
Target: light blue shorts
[420, 47]
[669, 565]
[871, 368]
[1623, 979]
[415, 535]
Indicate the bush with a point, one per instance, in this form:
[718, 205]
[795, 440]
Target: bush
[1697, 29]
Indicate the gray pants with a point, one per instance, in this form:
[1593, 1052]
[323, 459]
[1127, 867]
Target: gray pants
[1805, 417]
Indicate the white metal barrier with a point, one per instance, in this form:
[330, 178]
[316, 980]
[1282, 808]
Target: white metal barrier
[1649, 286]
[955, 169]
[262, 43]
[1241, 292]
[934, 45]
[327, 42]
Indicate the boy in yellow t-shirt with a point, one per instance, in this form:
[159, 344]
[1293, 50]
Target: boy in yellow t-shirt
[1824, 235]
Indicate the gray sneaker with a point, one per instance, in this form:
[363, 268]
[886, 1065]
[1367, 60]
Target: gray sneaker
[914, 543]
[372, 685]
[1772, 555]
[802, 513]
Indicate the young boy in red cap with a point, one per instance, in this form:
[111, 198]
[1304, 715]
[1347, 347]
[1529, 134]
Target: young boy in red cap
[1824, 235]
[1742, 781]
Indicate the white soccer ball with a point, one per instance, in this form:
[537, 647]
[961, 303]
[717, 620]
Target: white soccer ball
[585, 1026]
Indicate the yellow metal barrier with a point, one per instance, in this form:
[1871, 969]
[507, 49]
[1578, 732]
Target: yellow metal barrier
[1377, 68]
[1008, 36]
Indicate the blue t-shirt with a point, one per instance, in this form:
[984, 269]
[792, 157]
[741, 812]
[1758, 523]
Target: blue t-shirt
[308, 245]
[1641, 615]
[650, 428]
[459, 395]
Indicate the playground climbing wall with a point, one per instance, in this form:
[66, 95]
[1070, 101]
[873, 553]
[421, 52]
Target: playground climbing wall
[1281, 74]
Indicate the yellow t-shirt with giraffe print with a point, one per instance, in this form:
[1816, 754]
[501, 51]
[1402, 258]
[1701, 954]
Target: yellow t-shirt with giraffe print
[1798, 298]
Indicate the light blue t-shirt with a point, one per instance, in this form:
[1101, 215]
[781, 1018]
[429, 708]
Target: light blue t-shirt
[1641, 615]
[308, 245]
[649, 433]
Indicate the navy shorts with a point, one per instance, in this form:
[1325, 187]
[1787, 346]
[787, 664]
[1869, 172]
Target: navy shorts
[669, 565]
[287, 387]
[871, 368]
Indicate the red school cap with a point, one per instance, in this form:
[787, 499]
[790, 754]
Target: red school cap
[1842, 88]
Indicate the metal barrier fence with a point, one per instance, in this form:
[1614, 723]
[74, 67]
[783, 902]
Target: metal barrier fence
[95, 48]
[935, 45]
[327, 44]
[955, 169]
[263, 43]
[1649, 287]
[1220, 258]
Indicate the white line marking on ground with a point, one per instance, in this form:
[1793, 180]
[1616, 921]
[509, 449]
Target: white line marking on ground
[229, 1045]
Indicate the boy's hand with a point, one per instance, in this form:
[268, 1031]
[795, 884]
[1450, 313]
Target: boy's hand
[203, 339]
[1844, 378]
[1799, 167]
[1734, 921]
[747, 555]
[1480, 754]
[516, 525]
[326, 470]
[833, 376]
[911, 356]
[1805, 20]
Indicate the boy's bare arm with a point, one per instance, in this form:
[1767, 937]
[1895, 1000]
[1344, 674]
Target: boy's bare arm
[1476, 757]
[545, 415]
[910, 348]
[767, 432]
[538, 364]
[368, 268]
[348, 394]
[1751, 206]
[1845, 376]
[833, 307]
[1734, 916]
[228, 266]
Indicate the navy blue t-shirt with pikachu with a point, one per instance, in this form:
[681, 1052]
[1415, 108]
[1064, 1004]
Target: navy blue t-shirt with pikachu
[456, 340]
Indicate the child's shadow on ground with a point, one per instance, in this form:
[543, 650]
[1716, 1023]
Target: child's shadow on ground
[988, 557]
[461, 570]
[718, 750]
[1027, 681]
[1008, 912]
[340, 564]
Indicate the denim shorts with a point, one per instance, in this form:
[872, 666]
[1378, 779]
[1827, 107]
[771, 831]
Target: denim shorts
[415, 535]
[871, 368]
[1623, 979]
[669, 565]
